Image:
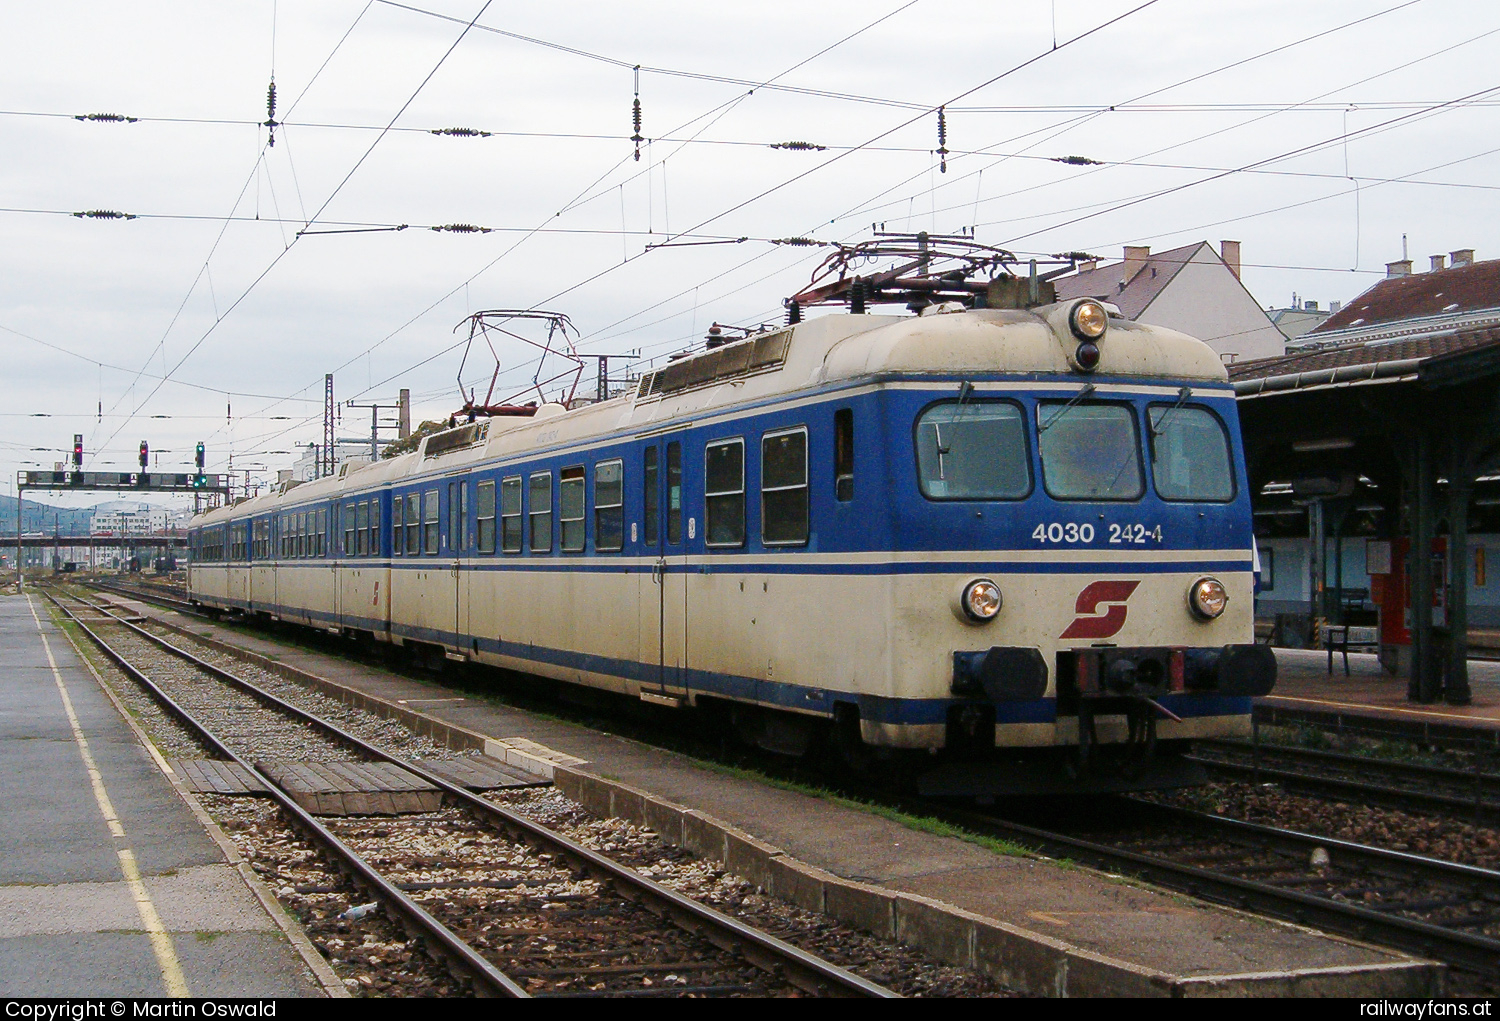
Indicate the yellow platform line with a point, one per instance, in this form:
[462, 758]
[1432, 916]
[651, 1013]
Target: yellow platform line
[161, 940]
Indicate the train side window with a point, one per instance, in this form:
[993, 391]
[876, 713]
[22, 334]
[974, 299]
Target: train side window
[460, 541]
[540, 497]
[571, 509]
[430, 522]
[651, 505]
[674, 493]
[724, 493]
[323, 531]
[346, 510]
[361, 530]
[301, 534]
[413, 521]
[484, 511]
[397, 543]
[374, 528]
[843, 454]
[783, 488]
[510, 515]
[609, 506]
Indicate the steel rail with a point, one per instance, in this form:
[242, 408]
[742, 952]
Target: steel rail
[802, 969]
[447, 944]
[1480, 804]
[1458, 736]
[1479, 954]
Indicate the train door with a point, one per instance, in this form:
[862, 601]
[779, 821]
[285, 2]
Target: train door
[458, 518]
[663, 590]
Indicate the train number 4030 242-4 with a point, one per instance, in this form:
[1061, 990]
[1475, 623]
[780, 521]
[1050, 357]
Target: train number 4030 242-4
[1074, 531]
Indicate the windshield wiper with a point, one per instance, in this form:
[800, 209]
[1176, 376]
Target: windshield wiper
[1160, 426]
[1088, 388]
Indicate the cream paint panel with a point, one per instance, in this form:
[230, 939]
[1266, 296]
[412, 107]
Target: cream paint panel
[262, 588]
[365, 593]
[305, 589]
[237, 586]
[422, 595]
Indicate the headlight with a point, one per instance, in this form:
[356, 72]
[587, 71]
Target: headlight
[1207, 598]
[981, 600]
[1088, 320]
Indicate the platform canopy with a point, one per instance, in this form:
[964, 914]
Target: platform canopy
[1409, 422]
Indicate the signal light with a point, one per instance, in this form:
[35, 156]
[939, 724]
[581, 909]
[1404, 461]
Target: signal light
[78, 450]
[199, 456]
[145, 455]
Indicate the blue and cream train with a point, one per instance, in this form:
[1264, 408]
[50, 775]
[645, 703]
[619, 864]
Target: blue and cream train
[1018, 541]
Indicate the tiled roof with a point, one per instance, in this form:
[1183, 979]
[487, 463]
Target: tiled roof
[1104, 282]
[1365, 354]
[1441, 292]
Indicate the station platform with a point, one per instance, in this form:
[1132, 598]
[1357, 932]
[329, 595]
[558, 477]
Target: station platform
[109, 883]
[1305, 684]
[1059, 929]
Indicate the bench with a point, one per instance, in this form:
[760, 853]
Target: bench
[1343, 637]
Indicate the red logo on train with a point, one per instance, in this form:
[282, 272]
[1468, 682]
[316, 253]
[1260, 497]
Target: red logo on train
[1090, 623]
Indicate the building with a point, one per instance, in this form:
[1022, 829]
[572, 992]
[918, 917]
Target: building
[1451, 297]
[1301, 317]
[305, 468]
[128, 519]
[1194, 289]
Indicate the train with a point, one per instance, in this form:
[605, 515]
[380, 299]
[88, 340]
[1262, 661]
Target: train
[997, 550]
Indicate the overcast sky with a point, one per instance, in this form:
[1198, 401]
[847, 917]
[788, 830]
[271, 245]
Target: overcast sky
[208, 317]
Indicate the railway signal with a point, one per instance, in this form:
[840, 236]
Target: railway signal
[78, 450]
[199, 455]
[145, 454]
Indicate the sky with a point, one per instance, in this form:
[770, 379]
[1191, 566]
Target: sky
[1324, 137]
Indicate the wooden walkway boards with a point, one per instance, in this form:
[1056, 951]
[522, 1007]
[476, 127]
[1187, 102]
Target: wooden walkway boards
[353, 788]
[482, 773]
[214, 776]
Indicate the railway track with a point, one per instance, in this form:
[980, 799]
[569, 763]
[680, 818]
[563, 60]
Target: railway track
[509, 905]
[1473, 794]
[1432, 908]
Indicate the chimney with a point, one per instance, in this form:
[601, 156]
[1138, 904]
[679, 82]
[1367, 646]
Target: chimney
[1437, 262]
[1090, 264]
[1463, 257]
[1229, 251]
[1135, 261]
[1309, 306]
[1399, 268]
[1334, 306]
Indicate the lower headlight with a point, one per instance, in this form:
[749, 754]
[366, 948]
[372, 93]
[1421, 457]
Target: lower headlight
[1207, 598]
[981, 600]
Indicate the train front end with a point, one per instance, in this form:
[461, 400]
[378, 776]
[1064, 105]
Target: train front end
[1080, 600]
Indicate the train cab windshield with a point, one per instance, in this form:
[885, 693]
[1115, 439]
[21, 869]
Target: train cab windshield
[974, 450]
[1190, 454]
[1089, 451]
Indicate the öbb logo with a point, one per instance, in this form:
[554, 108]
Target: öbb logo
[1090, 623]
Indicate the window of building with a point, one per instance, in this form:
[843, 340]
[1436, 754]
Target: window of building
[510, 515]
[973, 450]
[651, 505]
[783, 488]
[484, 513]
[570, 506]
[540, 497]
[1089, 451]
[430, 522]
[609, 506]
[724, 493]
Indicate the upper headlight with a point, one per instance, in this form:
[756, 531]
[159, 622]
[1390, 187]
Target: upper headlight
[981, 600]
[1207, 598]
[1088, 320]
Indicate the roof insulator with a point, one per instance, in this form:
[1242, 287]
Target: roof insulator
[1077, 161]
[461, 132]
[115, 118]
[799, 146]
[462, 228]
[105, 214]
[270, 121]
[802, 242]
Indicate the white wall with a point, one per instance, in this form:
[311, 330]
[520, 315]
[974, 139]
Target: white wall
[1206, 301]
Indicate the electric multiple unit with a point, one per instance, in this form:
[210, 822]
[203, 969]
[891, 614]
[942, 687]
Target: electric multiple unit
[1012, 546]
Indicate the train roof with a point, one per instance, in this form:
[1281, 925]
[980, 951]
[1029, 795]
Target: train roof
[827, 351]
